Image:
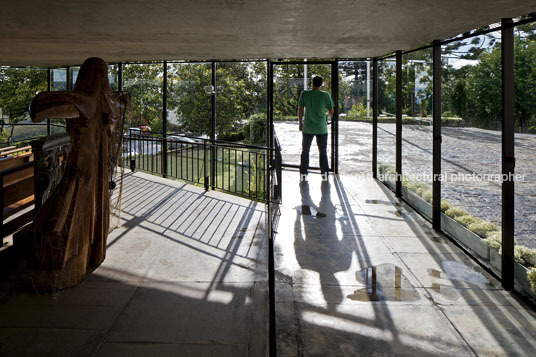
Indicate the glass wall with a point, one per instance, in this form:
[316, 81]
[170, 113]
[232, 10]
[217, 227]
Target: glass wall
[241, 101]
[18, 86]
[355, 116]
[58, 80]
[189, 98]
[289, 82]
[144, 82]
[471, 147]
[386, 121]
[417, 129]
[525, 143]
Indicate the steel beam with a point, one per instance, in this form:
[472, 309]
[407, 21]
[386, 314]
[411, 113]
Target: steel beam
[436, 164]
[335, 118]
[164, 122]
[508, 158]
[398, 189]
[213, 152]
[374, 118]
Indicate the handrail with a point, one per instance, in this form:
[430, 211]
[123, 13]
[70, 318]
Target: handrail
[236, 168]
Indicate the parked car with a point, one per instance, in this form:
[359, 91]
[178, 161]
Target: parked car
[178, 141]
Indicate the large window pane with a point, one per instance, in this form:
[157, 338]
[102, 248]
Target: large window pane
[189, 98]
[386, 120]
[144, 83]
[525, 142]
[355, 118]
[289, 82]
[417, 129]
[241, 100]
[471, 149]
[18, 86]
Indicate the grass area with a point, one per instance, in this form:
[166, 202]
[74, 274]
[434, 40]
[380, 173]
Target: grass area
[236, 171]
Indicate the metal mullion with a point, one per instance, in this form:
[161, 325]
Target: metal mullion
[508, 155]
[164, 121]
[398, 164]
[375, 118]
[436, 153]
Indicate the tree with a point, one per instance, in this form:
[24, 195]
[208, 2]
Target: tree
[18, 86]
[288, 85]
[240, 92]
[144, 82]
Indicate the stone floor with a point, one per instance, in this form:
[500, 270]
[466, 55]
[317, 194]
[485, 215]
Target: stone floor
[464, 151]
[185, 275]
[357, 273]
[360, 274]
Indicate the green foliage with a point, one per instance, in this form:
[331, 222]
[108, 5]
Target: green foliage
[445, 206]
[358, 110]
[255, 129]
[525, 256]
[144, 82]
[483, 228]
[240, 92]
[532, 278]
[427, 196]
[494, 240]
[467, 220]
[18, 86]
[288, 85]
[383, 168]
[456, 212]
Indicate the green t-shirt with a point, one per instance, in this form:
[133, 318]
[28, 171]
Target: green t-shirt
[316, 103]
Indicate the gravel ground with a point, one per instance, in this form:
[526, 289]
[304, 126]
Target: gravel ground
[465, 151]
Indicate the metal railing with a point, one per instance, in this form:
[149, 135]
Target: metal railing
[235, 168]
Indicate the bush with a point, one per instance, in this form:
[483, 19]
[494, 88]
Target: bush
[494, 240]
[532, 278]
[456, 212]
[525, 256]
[427, 196]
[255, 129]
[483, 228]
[467, 220]
[445, 206]
[358, 110]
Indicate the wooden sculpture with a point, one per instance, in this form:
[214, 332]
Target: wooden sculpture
[71, 227]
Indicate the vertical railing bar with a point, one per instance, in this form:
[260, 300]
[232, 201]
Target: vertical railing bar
[236, 169]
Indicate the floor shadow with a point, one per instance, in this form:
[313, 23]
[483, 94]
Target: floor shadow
[316, 243]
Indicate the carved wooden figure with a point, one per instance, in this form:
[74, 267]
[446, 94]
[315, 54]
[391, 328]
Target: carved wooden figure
[71, 227]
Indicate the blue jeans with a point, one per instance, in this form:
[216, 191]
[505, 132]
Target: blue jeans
[322, 142]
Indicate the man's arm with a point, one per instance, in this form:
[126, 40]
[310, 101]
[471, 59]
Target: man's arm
[330, 112]
[300, 117]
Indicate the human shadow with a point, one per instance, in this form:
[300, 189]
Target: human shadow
[319, 246]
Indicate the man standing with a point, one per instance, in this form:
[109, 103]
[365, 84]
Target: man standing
[317, 104]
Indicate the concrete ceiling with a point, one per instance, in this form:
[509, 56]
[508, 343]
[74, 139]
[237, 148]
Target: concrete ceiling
[65, 32]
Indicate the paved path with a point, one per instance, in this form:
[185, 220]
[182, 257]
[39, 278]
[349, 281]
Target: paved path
[359, 274]
[185, 275]
[464, 151]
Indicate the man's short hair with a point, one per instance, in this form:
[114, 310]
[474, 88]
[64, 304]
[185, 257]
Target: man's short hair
[317, 81]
